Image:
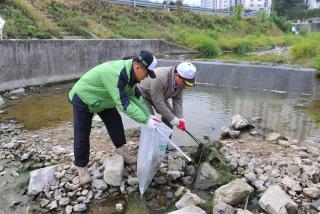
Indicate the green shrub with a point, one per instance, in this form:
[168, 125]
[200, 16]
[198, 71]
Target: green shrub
[306, 48]
[281, 22]
[243, 47]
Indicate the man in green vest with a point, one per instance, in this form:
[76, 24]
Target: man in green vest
[102, 90]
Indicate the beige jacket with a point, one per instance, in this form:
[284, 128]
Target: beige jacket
[158, 91]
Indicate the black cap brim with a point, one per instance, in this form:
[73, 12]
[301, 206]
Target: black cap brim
[151, 74]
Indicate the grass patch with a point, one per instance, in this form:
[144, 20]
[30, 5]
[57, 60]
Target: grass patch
[41, 21]
[18, 25]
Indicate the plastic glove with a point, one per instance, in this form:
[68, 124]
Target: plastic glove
[182, 124]
[179, 123]
[151, 123]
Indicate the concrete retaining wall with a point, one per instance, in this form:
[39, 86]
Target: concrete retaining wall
[32, 62]
[292, 80]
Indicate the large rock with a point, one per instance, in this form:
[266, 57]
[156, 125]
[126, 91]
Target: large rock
[188, 199]
[238, 123]
[234, 193]
[291, 184]
[41, 178]
[312, 192]
[207, 177]
[189, 210]
[273, 136]
[276, 201]
[223, 208]
[113, 170]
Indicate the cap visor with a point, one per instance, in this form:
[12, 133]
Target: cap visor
[151, 74]
[189, 83]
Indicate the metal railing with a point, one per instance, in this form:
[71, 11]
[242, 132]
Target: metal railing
[147, 4]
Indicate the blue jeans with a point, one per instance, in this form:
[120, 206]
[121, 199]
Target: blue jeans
[82, 119]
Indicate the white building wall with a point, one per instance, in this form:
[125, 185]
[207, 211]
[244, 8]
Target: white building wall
[313, 4]
[207, 3]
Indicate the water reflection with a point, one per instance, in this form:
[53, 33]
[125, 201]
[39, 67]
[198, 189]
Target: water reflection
[208, 108]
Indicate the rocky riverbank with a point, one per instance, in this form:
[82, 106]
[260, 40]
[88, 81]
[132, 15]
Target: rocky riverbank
[264, 165]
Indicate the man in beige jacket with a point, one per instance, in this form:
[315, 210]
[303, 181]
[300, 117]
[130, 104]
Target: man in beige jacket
[169, 83]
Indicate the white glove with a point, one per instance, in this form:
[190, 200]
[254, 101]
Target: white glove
[151, 123]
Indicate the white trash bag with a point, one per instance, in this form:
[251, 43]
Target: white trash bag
[151, 152]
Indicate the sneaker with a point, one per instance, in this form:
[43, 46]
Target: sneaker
[128, 158]
[84, 176]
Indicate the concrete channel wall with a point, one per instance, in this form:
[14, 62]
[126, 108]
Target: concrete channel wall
[257, 77]
[33, 62]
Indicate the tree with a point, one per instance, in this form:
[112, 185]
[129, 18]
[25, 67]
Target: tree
[289, 8]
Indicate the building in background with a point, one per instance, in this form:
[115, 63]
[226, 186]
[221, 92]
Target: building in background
[313, 4]
[253, 5]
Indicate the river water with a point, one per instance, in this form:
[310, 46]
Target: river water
[206, 109]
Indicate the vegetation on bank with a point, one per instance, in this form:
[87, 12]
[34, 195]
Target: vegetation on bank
[211, 35]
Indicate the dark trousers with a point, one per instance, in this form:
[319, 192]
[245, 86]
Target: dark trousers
[82, 119]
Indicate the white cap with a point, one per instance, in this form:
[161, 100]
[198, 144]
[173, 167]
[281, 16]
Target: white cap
[187, 70]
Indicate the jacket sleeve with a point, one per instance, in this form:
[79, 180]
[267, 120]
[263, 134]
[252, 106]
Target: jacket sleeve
[137, 99]
[116, 90]
[177, 103]
[158, 99]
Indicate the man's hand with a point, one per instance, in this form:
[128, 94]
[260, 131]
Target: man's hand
[152, 121]
[179, 123]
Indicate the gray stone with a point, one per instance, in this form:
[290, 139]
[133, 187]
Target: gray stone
[79, 207]
[233, 163]
[312, 192]
[187, 181]
[25, 156]
[132, 180]
[316, 205]
[44, 202]
[273, 136]
[69, 209]
[234, 193]
[53, 205]
[187, 200]
[18, 91]
[84, 192]
[189, 210]
[175, 165]
[160, 180]
[238, 122]
[99, 184]
[207, 177]
[223, 208]
[259, 184]
[174, 175]
[113, 170]
[291, 184]
[251, 176]
[241, 211]
[190, 170]
[242, 162]
[64, 202]
[226, 132]
[40, 178]
[276, 201]
[97, 174]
